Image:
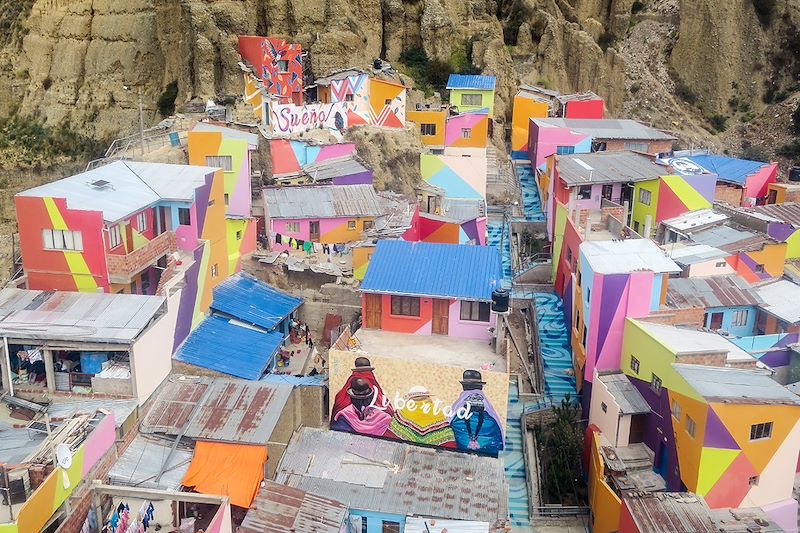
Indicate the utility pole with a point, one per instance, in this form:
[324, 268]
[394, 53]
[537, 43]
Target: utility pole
[141, 114]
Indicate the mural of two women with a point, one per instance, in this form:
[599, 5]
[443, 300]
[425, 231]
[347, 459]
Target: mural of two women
[469, 424]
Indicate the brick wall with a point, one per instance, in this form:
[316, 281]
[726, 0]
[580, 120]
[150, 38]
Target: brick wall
[678, 317]
[653, 147]
[124, 265]
[729, 194]
[708, 359]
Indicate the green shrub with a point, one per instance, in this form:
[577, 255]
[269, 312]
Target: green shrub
[637, 6]
[718, 122]
[684, 92]
[166, 102]
[765, 11]
[794, 127]
[790, 150]
[40, 144]
[428, 74]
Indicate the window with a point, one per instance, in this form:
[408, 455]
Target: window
[655, 384]
[584, 192]
[752, 481]
[368, 224]
[227, 198]
[761, 431]
[471, 99]
[351, 224]
[225, 162]
[720, 264]
[364, 528]
[239, 235]
[114, 238]
[569, 255]
[349, 98]
[475, 311]
[740, 317]
[691, 427]
[634, 365]
[56, 239]
[210, 203]
[141, 221]
[283, 66]
[291, 227]
[636, 226]
[636, 147]
[145, 284]
[405, 305]
[133, 287]
[388, 101]
[644, 196]
[214, 270]
[427, 129]
[588, 295]
[577, 320]
[184, 216]
[390, 527]
[583, 340]
[604, 407]
[759, 268]
[466, 133]
[675, 407]
[565, 150]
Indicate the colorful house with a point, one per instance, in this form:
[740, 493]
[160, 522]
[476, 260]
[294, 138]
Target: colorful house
[116, 229]
[458, 177]
[563, 136]
[729, 435]
[443, 289]
[779, 221]
[775, 352]
[699, 260]
[616, 280]
[586, 105]
[233, 151]
[592, 180]
[529, 102]
[728, 303]
[326, 214]
[779, 312]
[754, 256]
[278, 64]
[352, 99]
[471, 93]
[426, 227]
[780, 192]
[667, 197]
[459, 134]
[739, 181]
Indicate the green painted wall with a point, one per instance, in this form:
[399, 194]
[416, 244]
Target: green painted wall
[639, 211]
[487, 100]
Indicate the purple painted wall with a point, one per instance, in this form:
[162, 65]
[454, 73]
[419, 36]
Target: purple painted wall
[354, 179]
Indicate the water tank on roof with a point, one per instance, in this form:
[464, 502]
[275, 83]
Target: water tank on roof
[377, 64]
[500, 300]
[794, 173]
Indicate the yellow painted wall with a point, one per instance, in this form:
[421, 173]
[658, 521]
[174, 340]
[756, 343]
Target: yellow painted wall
[478, 138]
[689, 448]
[524, 110]
[342, 234]
[361, 256]
[603, 501]
[429, 117]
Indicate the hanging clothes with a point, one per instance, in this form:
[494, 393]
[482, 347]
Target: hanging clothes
[308, 247]
[292, 243]
[278, 238]
[299, 244]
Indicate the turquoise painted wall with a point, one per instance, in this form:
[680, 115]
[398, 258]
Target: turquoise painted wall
[375, 520]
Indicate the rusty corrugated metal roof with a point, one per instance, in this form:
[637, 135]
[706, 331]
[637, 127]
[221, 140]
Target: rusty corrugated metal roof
[669, 512]
[788, 212]
[278, 509]
[228, 410]
[714, 291]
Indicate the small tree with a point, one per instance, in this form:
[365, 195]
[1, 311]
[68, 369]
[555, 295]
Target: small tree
[795, 125]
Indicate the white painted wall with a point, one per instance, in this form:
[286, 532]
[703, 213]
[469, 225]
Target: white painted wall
[776, 481]
[151, 355]
[608, 421]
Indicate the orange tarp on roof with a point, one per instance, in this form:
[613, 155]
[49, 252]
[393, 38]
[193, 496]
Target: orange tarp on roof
[232, 470]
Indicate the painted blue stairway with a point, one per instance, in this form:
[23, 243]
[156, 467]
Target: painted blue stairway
[495, 229]
[531, 204]
[514, 462]
[556, 353]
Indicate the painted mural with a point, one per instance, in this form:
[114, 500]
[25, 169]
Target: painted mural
[434, 405]
[48, 497]
[374, 102]
[290, 156]
[671, 196]
[431, 228]
[254, 96]
[459, 177]
[468, 130]
[279, 65]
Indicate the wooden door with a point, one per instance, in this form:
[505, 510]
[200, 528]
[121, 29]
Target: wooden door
[716, 321]
[372, 311]
[313, 230]
[441, 317]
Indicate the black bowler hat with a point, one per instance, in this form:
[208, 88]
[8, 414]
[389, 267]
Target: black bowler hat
[362, 363]
[360, 389]
[472, 377]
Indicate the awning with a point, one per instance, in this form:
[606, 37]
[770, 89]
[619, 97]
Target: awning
[232, 470]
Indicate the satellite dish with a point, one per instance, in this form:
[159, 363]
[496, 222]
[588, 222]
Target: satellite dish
[64, 460]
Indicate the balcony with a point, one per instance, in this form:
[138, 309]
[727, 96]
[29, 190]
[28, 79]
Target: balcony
[122, 267]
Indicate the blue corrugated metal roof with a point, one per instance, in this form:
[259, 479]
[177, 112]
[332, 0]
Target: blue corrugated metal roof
[728, 169]
[221, 345]
[317, 380]
[439, 270]
[471, 81]
[247, 299]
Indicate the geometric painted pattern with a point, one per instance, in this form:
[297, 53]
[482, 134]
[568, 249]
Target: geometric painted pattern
[460, 177]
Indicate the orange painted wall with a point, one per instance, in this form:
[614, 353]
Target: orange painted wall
[214, 231]
[479, 135]
[689, 448]
[340, 233]
[429, 117]
[405, 324]
[603, 501]
[524, 110]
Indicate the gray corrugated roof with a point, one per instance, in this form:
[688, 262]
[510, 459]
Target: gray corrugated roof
[228, 410]
[599, 129]
[76, 316]
[66, 409]
[333, 168]
[628, 397]
[322, 201]
[130, 187]
[370, 474]
[462, 209]
[735, 386]
[788, 212]
[691, 254]
[278, 509]
[731, 238]
[608, 167]
[620, 257]
[142, 461]
[228, 133]
[781, 300]
[713, 291]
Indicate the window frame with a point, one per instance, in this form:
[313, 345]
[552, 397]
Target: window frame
[740, 317]
[759, 430]
[214, 270]
[239, 235]
[656, 385]
[636, 147]
[580, 192]
[675, 409]
[367, 224]
[291, 227]
[349, 97]
[466, 133]
[471, 308]
[603, 407]
[188, 212]
[75, 239]
[114, 235]
[225, 162]
[427, 129]
[390, 526]
[691, 426]
[141, 221]
[641, 197]
[635, 363]
[565, 150]
[406, 306]
[352, 225]
[471, 97]
[280, 63]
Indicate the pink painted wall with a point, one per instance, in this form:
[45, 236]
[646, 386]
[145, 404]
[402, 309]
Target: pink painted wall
[187, 235]
[331, 151]
[546, 140]
[332, 230]
[784, 514]
[454, 125]
[756, 185]
[468, 329]
[99, 442]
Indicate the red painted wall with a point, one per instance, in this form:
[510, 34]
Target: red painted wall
[572, 240]
[48, 269]
[626, 523]
[402, 324]
[584, 109]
